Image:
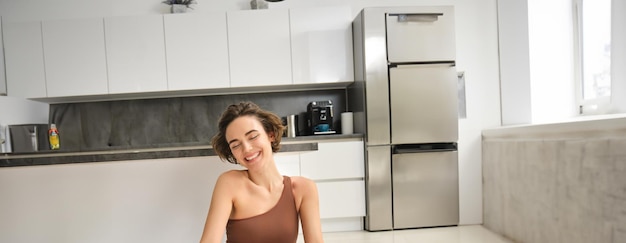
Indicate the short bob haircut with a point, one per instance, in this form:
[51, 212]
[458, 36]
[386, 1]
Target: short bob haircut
[271, 123]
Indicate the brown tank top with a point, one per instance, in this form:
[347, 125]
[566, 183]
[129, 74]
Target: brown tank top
[278, 225]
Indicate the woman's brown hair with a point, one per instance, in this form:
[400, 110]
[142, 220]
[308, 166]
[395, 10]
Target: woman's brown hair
[271, 124]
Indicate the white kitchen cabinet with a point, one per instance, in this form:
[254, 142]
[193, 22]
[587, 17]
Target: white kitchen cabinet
[197, 51]
[321, 44]
[135, 50]
[3, 83]
[74, 57]
[259, 47]
[338, 168]
[334, 160]
[288, 163]
[341, 199]
[25, 72]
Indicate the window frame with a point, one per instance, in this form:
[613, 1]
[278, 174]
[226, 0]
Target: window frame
[598, 105]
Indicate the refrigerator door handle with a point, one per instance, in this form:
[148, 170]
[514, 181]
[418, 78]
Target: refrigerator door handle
[417, 17]
[443, 64]
[423, 148]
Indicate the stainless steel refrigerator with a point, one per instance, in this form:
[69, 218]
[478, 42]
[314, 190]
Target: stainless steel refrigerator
[405, 102]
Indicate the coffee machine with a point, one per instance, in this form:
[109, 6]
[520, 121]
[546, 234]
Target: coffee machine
[320, 117]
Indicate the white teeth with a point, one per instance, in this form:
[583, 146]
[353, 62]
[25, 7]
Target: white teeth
[252, 157]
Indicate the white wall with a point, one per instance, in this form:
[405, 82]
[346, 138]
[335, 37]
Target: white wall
[477, 56]
[537, 63]
[514, 61]
[618, 56]
[551, 60]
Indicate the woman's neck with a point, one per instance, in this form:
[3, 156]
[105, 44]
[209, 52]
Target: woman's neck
[269, 178]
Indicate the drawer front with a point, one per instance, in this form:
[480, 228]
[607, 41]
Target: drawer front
[334, 160]
[341, 199]
[288, 163]
[423, 36]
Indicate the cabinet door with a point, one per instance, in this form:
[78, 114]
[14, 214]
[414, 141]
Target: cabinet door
[321, 44]
[3, 83]
[74, 56]
[259, 47]
[23, 52]
[341, 199]
[197, 51]
[135, 49]
[288, 163]
[334, 160]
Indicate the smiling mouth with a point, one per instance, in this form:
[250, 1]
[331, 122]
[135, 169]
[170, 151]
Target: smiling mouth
[254, 156]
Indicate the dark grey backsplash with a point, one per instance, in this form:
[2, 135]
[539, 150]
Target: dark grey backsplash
[166, 122]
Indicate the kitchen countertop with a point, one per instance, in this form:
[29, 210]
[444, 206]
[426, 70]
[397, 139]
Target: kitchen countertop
[296, 144]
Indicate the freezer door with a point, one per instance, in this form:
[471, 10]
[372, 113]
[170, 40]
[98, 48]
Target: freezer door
[425, 189]
[421, 36]
[424, 104]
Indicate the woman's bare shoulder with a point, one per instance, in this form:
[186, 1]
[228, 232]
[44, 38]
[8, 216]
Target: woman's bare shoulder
[304, 191]
[232, 176]
[301, 183]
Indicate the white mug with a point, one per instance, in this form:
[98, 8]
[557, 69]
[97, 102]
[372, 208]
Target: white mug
[347, 123]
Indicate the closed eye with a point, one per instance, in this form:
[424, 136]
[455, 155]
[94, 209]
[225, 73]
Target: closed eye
[234, 146]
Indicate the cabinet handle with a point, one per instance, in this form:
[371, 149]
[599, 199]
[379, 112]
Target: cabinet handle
[417, 17]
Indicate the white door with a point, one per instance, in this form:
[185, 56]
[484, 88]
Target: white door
[197, 51]
[75, 57]
[259, 47]
[135, 49]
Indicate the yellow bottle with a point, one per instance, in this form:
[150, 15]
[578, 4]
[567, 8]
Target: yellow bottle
[53, 136]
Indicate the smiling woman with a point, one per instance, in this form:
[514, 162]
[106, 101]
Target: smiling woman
[258, 204]
[269, 121]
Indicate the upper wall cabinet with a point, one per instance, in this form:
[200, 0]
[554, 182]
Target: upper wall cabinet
[178, 54]
[23, 52]
[3, 83]
[197, 51]
[135, 50]
[321, 44]
[74, 56]
[259, 47]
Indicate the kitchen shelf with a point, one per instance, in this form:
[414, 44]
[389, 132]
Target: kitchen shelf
[297, 144]
[197, 92]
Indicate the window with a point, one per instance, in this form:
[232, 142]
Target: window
[593, 28]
